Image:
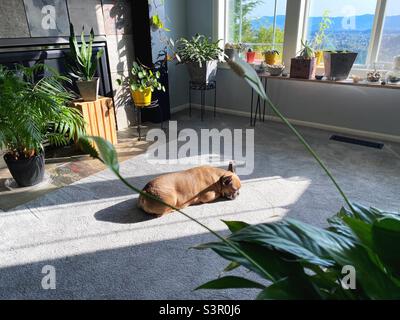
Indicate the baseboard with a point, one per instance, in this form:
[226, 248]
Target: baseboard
[179, 108]
[343, 130]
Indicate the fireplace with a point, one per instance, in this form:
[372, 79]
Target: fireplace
[54, 56]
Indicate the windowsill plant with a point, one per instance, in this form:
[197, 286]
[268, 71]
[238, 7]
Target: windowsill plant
[31, 113]
[304, 66]
[83, 65]
[271, 57]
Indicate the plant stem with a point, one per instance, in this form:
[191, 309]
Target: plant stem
[226, 241]
[311, 151]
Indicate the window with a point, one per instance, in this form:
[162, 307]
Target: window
[259, 24]
[369, 27]
[341, 25]
[390, 42]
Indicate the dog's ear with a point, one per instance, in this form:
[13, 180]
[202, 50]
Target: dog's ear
[232, 167]
[226, 181]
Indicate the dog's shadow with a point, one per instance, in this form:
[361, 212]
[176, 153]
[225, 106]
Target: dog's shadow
[124, 213]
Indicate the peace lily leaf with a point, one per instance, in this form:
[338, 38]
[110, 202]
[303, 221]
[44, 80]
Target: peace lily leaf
[231, 282]
[106, 152]
[386, 236]
[235, 225]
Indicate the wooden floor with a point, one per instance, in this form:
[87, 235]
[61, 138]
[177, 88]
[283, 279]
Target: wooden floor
[63, 169]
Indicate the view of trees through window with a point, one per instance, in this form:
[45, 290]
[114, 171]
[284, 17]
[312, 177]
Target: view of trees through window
[254, 23]
[390, 43]
[351, 26]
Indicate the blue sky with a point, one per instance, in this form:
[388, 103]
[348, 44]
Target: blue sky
[335, 7]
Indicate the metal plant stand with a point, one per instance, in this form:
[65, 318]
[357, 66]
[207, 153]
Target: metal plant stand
[154, 104]
[203, 88]
[258, 105]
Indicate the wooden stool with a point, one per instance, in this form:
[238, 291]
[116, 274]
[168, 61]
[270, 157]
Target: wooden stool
[99, 118]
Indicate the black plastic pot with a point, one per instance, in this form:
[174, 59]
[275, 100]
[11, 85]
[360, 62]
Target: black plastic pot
[26, 172]
[338, 64]
[205, 73]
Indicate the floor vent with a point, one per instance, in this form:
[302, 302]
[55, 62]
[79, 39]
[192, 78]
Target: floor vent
[359, 142]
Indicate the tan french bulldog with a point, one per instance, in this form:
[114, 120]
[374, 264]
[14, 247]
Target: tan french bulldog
[194, 186]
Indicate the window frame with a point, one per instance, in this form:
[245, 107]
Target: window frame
[296, 29]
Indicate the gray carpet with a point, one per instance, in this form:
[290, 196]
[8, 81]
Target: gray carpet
[104, 248]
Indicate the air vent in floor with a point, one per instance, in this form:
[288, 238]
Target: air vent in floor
[364, 143]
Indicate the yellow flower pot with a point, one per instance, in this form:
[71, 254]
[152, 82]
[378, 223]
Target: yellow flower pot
[319, 55]
[142, 99]
[271, 58]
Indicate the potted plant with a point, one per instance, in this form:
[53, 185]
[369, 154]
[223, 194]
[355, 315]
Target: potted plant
[250, 56]
[201, 58]
[338, 64]
[32, 113]
[320, 37]
[303, 66]
[142, 82]
[271, 57]
[233, 50]
[83, 65]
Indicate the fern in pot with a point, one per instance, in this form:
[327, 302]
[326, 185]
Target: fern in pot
[31, 113]
[201, 57]
[83, 64]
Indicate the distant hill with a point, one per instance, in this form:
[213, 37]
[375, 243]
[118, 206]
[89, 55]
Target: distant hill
[363, 23]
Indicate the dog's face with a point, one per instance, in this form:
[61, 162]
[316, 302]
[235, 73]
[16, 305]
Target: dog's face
[230, 184]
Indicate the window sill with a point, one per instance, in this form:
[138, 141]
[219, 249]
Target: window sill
[343, 82]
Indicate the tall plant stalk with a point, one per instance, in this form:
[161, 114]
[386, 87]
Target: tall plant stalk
[108, 156]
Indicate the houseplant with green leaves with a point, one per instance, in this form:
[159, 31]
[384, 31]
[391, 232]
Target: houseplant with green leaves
[201, 56]
[82, 63]
[294, 260]
[304, 65]
[33, 112]
[319, 40]
[142, 82]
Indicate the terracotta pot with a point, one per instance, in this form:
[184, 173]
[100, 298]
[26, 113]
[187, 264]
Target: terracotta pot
[250, 57]
[303, 68]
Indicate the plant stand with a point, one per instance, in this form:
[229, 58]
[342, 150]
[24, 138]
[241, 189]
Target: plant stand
[99, 118]
[203, 88]
[154, 104]
[258, 105]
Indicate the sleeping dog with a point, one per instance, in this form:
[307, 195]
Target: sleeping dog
[194, 186]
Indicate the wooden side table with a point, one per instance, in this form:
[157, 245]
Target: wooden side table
[99, 117]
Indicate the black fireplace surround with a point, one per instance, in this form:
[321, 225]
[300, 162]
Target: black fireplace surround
[54, 55]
